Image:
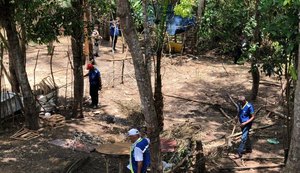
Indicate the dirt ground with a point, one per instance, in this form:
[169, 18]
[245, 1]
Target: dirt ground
[194, 89]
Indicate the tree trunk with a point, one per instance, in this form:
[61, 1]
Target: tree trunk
[256, 79]
[15, 85]
[143, 82]
[30, 108]
[254, 67]
[200, 12]
[23, 41]
[293, 162]
[158, 97]
[77, 50]
[147, 43]
[87, 29]
[105, 29]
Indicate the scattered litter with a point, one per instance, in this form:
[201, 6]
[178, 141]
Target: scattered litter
[273, 141]
[25, 134]
[47, 115]
[86, 138]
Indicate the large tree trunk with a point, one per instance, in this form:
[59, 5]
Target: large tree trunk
[77, 50]
[30, 108]
[15, 86]
[143, 82]
[293, 162]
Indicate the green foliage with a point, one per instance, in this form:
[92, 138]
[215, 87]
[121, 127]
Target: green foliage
[102, 8]
[185, 8]
[43, 19]
[280, 26]
[138, 12]
[224, 22]
[293, 72]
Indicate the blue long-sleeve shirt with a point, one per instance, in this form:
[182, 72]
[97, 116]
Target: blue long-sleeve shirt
[94, 77]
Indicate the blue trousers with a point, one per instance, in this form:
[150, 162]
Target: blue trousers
[245, 140]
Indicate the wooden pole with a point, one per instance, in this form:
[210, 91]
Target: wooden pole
[122, 75]
[51, 67]
[37, 57]
[66, 90]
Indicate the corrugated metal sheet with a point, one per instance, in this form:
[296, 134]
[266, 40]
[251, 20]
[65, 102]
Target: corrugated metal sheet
[10, 103]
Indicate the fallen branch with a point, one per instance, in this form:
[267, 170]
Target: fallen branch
[254, 129]
[197, 101]
[235, 105]
[258, 110]
[279, 114]
[263, 158]
[267, 83]
[253, 167]
[233, 102]
[223, 113]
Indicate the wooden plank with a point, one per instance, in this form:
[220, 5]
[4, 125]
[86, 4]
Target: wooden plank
[21, 132]
[17, 132]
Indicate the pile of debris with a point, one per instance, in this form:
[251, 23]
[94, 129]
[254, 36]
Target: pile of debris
[47, 95]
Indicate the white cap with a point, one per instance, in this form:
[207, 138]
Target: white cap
[132, 132]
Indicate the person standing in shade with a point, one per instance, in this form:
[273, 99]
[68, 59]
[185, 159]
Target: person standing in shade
[114, 33]
[95, 84]
[246, 117]
[139, 159]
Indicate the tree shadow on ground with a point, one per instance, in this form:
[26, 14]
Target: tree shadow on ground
[215, 92]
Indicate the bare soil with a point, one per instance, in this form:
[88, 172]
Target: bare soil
[194, 89]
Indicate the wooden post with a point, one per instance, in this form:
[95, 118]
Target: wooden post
[122, 75]
[37, 57]
[51, 67]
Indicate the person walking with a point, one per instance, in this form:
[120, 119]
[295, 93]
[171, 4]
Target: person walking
[246, 117]
[95, 84]
[114, 33]
[139, 159]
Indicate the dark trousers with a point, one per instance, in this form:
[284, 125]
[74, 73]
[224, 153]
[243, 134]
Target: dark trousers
[245, 140]
[114, 40]
[94, 94]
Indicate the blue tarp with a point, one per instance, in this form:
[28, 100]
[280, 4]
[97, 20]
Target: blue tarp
[177, 24]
